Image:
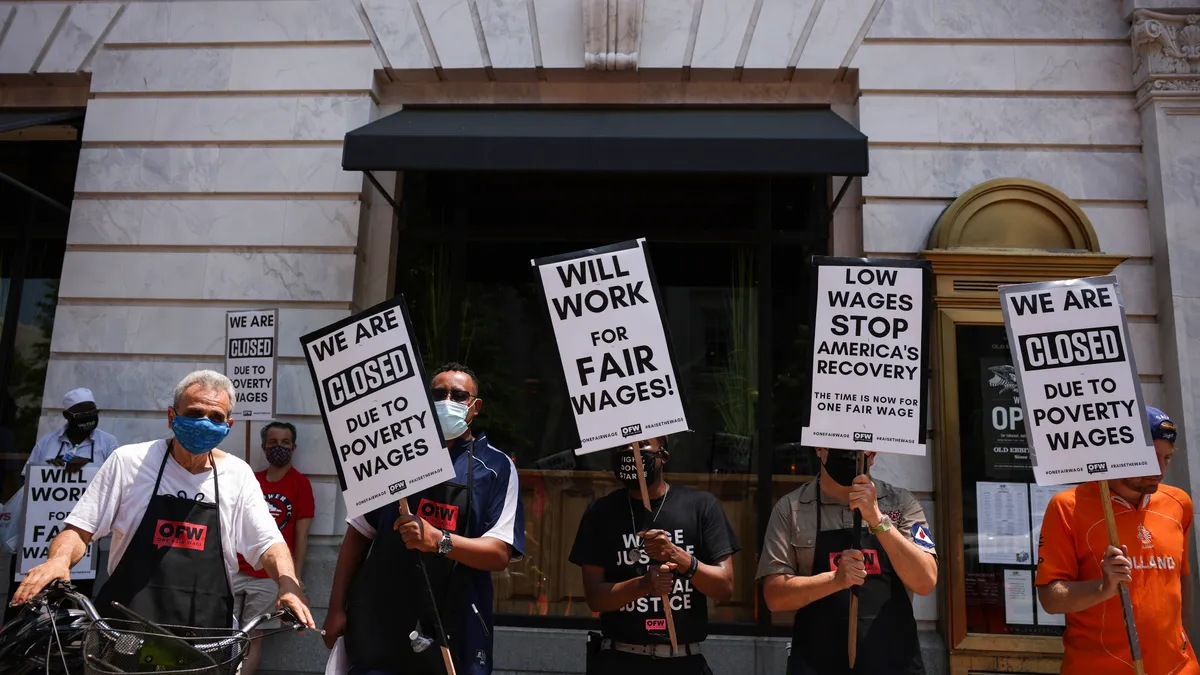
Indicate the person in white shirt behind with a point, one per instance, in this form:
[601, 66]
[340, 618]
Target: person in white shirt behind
[78, 442]
[180, 511]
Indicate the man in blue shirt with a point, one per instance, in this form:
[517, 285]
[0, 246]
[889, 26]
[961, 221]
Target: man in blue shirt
[463, 530]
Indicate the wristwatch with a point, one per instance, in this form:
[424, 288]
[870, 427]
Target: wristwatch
[445, 544]
[885, 524]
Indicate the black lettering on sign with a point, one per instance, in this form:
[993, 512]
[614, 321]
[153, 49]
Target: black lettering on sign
[367, 377]
[245, 348]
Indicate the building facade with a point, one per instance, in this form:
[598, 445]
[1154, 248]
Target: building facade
[1008, 139]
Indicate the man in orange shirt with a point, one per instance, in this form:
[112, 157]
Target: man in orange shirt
[1078, 571]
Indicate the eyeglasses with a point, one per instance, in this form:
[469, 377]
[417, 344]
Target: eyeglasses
[456, 395]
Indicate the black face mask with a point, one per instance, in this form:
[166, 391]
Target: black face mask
[625, 468]
[84, 422]
[842, 466]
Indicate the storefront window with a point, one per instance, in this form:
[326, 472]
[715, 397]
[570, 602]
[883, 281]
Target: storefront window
[1002, 505]
[464, 268]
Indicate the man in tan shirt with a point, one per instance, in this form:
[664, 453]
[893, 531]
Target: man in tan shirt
[810, 560]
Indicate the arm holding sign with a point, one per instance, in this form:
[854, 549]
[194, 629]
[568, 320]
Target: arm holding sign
[784, 588]
[914, 559]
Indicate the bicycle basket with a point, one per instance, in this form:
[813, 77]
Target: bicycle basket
[118, 646]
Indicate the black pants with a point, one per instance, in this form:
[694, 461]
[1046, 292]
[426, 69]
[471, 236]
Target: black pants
[612, 662]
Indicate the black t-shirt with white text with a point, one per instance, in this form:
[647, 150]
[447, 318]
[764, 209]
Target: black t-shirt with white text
[607, 538]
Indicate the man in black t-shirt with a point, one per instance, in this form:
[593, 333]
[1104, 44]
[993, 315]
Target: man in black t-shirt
[631, 558]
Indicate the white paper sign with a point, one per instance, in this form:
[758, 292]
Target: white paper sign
[1003, 513]
[869, 356]
[1039, 498]
[50, 494]
[250, 345]
[615, 353]
[1084, 414]
[375, 402]
[1018, 597]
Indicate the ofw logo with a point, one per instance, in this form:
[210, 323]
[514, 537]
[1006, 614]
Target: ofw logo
[443, 516]
[180, 535]
[656, 624]
[870, 561]
[1097, 467]
[631, 430]
[862, 437]
[396, 487]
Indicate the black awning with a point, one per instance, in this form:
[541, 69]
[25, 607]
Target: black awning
[13, 120]
[808, 141]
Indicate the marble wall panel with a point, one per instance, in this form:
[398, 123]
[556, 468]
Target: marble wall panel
[1179, 156]
[946, 173]
[777, 32]
[666, 27]
[453, 32]
[142, 70]
[506, 29]
[171, 330]
[837, 26]
[208, 222]
[1146, 351]
[310, 68]
[243, 22]
[28, 30]
[1001, 19]
[971, 67]
[209, 169]
[148, 384]
[1139, 289]
[1122, 228]
[1018, 120]
[560, 33]
[399, 33]
[217, 275]
[77, 36]
[722, 29]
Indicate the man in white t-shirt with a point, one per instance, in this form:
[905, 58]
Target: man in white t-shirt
[180, 512]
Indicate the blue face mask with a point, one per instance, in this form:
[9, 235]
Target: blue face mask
[452, 417]
[198, 435]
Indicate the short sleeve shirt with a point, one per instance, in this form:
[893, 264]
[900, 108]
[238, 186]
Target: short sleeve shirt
[1072, 545]
[607, 538]
[97, 446]
[290, 499]
[791, 538]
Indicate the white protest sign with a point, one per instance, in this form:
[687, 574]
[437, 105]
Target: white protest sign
[613, 344]
[1084, 414]
[250, 340]
[870, 355]
[376, 407]
[50, 494]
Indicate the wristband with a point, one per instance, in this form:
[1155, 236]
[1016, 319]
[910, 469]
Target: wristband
[691, 570]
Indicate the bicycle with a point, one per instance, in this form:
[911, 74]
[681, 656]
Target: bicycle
[47, 637]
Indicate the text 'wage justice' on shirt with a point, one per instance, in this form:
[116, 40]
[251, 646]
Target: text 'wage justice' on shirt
[607, 538]
[117, 498]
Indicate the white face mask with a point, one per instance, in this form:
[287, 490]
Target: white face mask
[452, 418]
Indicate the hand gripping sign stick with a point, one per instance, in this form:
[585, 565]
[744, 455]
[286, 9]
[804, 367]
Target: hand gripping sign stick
[432, 601]
[1135, 648]
[641, 473]
[852, 637]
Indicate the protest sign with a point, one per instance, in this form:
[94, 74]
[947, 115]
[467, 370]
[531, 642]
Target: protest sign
[1082, 399]
[250, 339]
[612, 341]
[50, 494]
[374, 400]
[870, 355]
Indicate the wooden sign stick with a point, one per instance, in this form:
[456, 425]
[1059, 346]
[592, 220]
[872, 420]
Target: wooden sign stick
[1135, 648]
[641, 473]
[446, 659]
[852, 636]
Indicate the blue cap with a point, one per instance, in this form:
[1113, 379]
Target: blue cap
[1161, 426]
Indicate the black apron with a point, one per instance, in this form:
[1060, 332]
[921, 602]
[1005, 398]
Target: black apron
[388, 595]
[887, 631]
[173, 571]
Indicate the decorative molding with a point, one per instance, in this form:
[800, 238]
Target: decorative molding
[612, 34]
[1014, 213]
[1166, 54]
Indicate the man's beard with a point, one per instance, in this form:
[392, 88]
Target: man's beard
[1142, 486]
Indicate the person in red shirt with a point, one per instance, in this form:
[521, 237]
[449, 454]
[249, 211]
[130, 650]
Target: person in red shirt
[1079, 571]
[289, 497]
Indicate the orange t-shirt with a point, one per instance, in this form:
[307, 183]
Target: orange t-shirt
[1073, 541]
